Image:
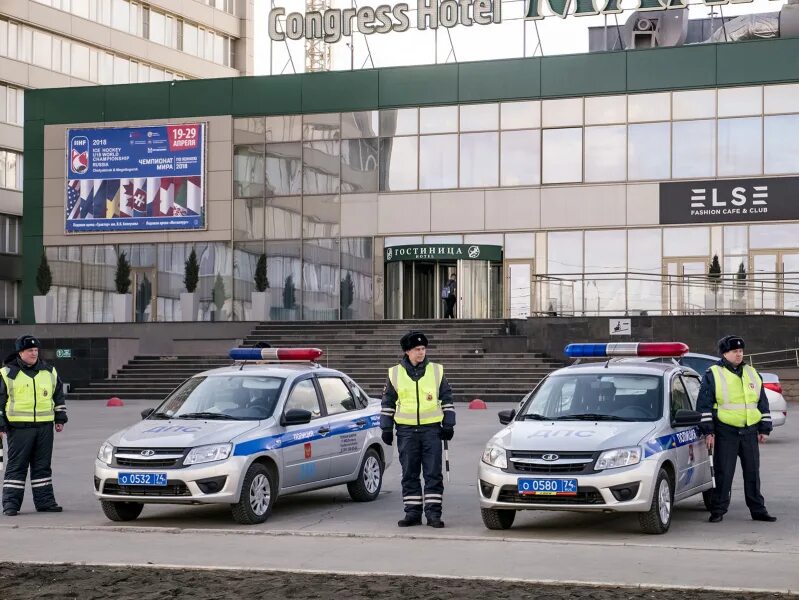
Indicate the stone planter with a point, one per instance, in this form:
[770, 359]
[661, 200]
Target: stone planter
[44, 309]
[122, 307]
[261, 305]
[189, 305]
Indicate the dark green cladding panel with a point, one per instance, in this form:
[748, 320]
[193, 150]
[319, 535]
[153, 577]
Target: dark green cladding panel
[499, 80]
[137, 101]
[33, 135]
[762, 60]
[34, 105]
[671, 68]
[32, 248]
[32, 168]
[418, 86]
[342, 91]
[74, 105]
[201, 97]
[267, 95]
[576, 75]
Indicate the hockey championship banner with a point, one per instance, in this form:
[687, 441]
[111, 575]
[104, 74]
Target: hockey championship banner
[135, 178]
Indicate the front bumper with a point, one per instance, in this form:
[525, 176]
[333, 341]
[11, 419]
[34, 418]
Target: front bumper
[499, 490]
[182, 484]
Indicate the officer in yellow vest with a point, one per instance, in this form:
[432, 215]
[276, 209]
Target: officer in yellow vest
[735, 418]
[418, 399]
[31, 404]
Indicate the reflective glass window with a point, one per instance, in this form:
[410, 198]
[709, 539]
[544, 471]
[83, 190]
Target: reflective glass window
[644, 263]
[521, 115]
[42, 49]
[359, 165]
[773, 236]
[694, 104]
[320, 280]
[321, 127]
[686, 241]
[564, 252]
[359, 124]
[321, 216]
[740, 146]
[776, 98]
[248, 218]
[399, 158]
[648, 151]
[740, 101]
[479, 117]
[438, 119]
[248, 171]
[642, 108]
[520, 162]
[605, 153]
[735, 239]
[562, 155]
[356, 286]
[399, 121]
[562, 113]
[284, 129]
[602, 110]
[779, 144]
[248, 130]
[190, 38]
[283, 218]
[519, 245]
[321, 167]
[283, 169]
[479, 160]
[693, 152]
[438, 162]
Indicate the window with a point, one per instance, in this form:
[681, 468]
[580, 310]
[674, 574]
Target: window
[648, 151]
[679, 397]
[740, 146]
[303, 397]
[693, 151]
[692, 385]
[563, 155]
[438, 162]
[438, 119]
[520, 162]
[605, 149]
[399, 158]
[10, 170]
[479, 154]
[780, 153]
[479, 117]
[338, 398]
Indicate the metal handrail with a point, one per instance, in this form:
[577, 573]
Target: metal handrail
[791, 360]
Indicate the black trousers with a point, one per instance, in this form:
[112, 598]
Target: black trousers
[420, 452]
[29, 448]
[731, 444]
[449, 307]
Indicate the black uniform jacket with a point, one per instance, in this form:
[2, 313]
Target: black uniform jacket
[15, 364]
[389, 403]
[707, 398]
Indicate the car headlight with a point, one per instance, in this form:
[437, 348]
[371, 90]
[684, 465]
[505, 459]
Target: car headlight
[496, 457]
[621, 457]
[205, 454]
[106, 453]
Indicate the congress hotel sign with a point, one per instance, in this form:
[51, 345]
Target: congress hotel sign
[333, 24]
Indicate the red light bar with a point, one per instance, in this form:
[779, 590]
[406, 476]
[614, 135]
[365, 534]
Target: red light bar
[662, 349]
[276, 354]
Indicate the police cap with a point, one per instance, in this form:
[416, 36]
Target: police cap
[24, 342]
[730, 342]
[412, 339]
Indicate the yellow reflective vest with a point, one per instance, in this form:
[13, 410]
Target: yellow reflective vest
[737, 397]
[30, 399]
[417, 401]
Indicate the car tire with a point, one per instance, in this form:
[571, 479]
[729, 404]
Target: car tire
[258, 495]
[658, 518]
[121, 511]
[496, 518]
[707, 498]
[370, 478]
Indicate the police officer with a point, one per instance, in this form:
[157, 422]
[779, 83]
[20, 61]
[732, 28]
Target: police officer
[735, 417]
[418, 399]
[31, 401]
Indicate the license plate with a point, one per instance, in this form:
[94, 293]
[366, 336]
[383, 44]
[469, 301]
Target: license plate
[158, 479]
[548, 487]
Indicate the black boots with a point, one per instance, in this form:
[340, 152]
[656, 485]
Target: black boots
[763, 517]
[409, 521]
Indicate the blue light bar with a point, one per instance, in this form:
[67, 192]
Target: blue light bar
[275, 354]
[649, 349]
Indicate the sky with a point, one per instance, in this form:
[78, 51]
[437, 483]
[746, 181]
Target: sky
[513, 38]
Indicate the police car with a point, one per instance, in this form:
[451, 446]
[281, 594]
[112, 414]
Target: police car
[244, 435]
[611, 436]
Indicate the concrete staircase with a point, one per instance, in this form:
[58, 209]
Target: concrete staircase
[362, 349]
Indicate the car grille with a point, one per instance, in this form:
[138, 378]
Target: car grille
[585, 495]
[172, 488]
[563, 464]
[164, 458]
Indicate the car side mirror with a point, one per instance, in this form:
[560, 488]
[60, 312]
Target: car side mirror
[147, 412]
[686, 418]
[506, 416]
[296, 416]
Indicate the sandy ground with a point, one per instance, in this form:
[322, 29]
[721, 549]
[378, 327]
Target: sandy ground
[23, 582]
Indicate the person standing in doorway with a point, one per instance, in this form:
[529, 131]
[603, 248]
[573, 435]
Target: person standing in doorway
[451, 297]
[31, 407]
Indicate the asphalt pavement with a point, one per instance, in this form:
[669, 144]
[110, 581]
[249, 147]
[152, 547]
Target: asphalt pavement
[325, 531]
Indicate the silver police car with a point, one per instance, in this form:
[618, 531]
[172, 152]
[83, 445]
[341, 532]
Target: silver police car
[244, 435]
[613, 436]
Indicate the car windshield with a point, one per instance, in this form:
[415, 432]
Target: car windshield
[697, 363]
[228, 397]
[596, 397]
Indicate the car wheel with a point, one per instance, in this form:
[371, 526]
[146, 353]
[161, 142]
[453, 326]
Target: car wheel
[707, 498]
[658, 518]
[121, 511]
[370, 478]
[258, 494]
[497, 518]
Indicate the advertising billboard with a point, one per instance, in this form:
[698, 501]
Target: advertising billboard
[135, 178]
